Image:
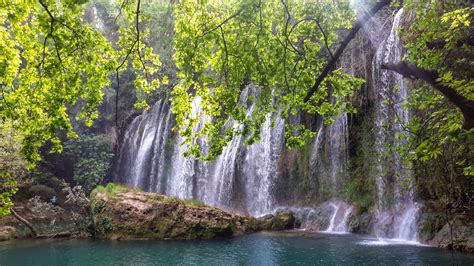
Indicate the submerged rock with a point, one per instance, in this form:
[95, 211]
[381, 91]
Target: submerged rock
[122, 213]
[7, 232]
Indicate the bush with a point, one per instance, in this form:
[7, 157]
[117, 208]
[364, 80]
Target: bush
[92, 157]
[44, 192]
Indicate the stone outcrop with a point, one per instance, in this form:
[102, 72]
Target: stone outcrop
[7, 232]
[276, 222]
[122, 213]
[457, 236]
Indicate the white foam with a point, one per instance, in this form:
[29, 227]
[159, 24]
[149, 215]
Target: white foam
[391, 242]
[334, 233]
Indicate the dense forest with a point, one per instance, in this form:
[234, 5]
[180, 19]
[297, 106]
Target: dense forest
[339, 116]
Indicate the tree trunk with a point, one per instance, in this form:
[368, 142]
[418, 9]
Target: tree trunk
[431, 77]
[25, 222]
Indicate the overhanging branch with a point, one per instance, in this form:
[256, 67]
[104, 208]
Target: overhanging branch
[351, 35]
[431, 77]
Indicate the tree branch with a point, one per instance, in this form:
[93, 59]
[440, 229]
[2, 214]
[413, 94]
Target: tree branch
[351, 35]
[220, 24]
[431, 77]
[25, 222]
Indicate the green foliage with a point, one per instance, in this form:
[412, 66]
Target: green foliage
[440, 149]
[92, 159]
[12, 166]
[438, 146]
[360, 190]
[102, 222]
[193, 202]
[279, 46]
[8, 189]
[51, 60]
[111, 189]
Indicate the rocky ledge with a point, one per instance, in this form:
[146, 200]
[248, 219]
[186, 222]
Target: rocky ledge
[123, 213]
[7, 233]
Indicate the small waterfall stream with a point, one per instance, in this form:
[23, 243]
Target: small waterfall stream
[338, 221]
[396, 210]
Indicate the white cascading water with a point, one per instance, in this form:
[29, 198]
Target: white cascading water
[316, 148]
[144, 155]
[261, 161]
[396, 212]
[152, 159]
[338, 149]
[339, 217]
[181, 182]
[335, 136]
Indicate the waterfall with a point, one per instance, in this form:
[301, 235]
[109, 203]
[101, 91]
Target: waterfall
[338, 139]
[258, 179]
[333, 169]
[396, 210]
[142, 154]
[339, 217]
[261, 162]
[151, 158]
[315, 151]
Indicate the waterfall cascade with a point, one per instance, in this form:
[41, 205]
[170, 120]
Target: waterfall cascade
[257, 179]
[396, 209]
[151, 158]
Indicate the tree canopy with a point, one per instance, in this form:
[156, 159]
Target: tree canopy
[51, 60]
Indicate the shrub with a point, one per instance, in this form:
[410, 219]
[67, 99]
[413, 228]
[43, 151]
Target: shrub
[44, 192]
[112, 189]
[92, 157]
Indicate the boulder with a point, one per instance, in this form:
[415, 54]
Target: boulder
[361, 223]
[7, 233]
[122, 213]
[281, 220]
[462, 237]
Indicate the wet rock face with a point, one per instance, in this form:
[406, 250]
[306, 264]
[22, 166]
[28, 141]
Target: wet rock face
[143, 215]
[279, 221]
[457, 235]
[7, 233]
[361, 223]
[317, 219]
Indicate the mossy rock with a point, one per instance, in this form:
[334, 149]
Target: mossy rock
[123, 213]
[280, 221]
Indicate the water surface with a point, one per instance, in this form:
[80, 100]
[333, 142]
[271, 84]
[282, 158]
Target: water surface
[293, 248]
